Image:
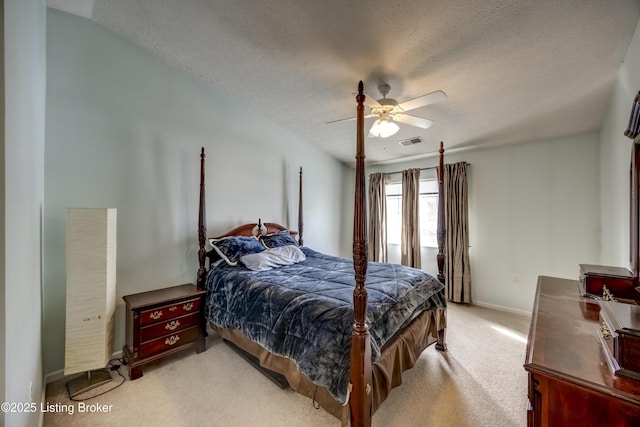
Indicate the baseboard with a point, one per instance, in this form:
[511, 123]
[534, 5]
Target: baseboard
[503, 308]
[59, 374]
[54, 376]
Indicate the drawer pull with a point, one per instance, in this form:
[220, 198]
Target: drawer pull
[172, 325]
[156, 315]
[606, 294]
[188, 306]
[604, 331]
[172, 340]
[173, 308]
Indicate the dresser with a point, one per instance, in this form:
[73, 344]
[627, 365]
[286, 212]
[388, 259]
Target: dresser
[162, 322]
[570, 382]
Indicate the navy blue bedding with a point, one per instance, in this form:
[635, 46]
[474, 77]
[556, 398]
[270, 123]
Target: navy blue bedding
[304, 311]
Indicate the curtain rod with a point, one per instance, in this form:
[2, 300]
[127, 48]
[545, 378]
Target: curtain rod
[422, 169]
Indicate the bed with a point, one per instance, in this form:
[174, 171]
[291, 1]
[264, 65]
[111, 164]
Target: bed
[337, 330]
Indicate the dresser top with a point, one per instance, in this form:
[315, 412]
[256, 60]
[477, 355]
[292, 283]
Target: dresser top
[605, 270]
[563, 340]
[162, 296]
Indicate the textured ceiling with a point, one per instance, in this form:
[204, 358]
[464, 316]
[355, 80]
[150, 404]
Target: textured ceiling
[514, 71]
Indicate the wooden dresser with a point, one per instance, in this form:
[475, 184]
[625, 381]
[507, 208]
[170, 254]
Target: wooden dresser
[570, 383]
[163, 322]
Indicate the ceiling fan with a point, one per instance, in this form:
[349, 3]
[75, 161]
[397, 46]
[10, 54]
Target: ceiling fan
[388, 111]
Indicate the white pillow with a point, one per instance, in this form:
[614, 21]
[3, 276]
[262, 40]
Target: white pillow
[274, 257]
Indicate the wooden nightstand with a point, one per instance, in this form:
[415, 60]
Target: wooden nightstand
[163, 322]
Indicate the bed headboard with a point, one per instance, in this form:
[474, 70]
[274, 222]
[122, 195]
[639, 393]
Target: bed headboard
[242, 230]
[254, 229]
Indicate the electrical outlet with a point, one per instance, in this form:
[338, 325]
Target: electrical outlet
[515, 279]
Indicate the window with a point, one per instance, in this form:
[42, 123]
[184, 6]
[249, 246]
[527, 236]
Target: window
[428, 212]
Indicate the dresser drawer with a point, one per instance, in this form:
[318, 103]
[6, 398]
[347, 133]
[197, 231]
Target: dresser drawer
[169, 326]
[170, 311]
[620, 287]
[169, 341]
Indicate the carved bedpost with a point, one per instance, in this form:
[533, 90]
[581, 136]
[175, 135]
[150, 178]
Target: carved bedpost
[441, 344]
[300, 225]
[633, 132]
[202, 228]
[360, 374]
[442, 230]
[258, 228]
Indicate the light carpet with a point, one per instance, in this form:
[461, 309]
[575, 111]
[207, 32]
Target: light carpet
[479, 381]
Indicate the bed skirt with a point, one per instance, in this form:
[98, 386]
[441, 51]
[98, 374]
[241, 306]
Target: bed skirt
[398, 354]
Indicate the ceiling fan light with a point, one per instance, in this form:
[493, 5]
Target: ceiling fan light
[383, 128]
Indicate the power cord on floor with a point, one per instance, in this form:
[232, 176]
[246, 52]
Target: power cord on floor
[114, 365]
[315, 404]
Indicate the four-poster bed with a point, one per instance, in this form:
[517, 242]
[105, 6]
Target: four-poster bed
[309, 317]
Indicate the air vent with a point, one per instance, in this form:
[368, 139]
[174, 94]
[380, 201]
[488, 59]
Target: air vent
[410, 141]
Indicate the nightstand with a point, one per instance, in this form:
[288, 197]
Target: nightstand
[163, 322]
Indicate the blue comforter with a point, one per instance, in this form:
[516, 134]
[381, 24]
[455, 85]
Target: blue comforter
[304, 311]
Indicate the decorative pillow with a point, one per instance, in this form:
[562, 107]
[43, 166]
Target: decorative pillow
[232, 248]
[281, 238]
[274, 257]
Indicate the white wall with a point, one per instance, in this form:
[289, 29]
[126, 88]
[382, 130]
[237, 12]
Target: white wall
[533, 210]
[615, 160]
[22, 179]
[348, 198]
[124, 130]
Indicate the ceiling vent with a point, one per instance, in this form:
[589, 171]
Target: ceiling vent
[410, 141]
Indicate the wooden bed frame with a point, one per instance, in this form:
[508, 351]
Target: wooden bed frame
[361, 406]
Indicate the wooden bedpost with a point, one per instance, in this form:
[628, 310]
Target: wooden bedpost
[202, 228]
[441, 234]
[442, 231]
[300, 225]
[360, 374]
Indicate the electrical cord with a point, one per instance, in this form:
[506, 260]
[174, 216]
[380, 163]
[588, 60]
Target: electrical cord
[315, 404]
[112, 367]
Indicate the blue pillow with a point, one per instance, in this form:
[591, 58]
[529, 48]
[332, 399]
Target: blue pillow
[281, 238]
[232, 248]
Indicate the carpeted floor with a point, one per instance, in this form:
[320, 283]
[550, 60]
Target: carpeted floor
[480, 381]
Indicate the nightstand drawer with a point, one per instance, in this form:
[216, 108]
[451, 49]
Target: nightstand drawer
[169, 311]
[169, 326]
[167, 342]
[162, 322]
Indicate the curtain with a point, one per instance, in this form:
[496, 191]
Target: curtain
[378, 217]
[410, 239]
[457, 269]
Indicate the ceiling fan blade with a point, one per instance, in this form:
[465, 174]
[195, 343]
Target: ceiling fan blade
[349, 119]
[423, 100]
[371, 102]
[413, 120]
